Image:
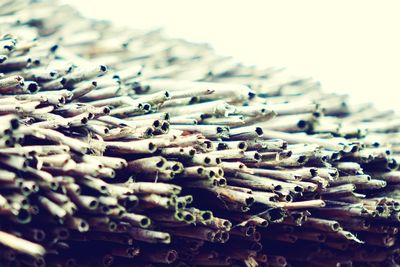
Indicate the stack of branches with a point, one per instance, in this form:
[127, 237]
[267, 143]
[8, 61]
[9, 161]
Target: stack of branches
[125, 148]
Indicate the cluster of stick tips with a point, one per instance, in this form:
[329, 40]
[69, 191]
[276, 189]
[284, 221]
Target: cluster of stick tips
[125, 148]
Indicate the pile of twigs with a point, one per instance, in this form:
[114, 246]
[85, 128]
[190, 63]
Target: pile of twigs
[125, 148]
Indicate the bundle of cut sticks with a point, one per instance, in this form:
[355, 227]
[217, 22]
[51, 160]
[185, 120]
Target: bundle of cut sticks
[121, 147]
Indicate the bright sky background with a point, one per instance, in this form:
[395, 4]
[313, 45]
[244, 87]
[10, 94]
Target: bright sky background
[350, 46]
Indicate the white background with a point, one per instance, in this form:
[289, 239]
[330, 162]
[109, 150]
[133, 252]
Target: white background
[350, 46]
